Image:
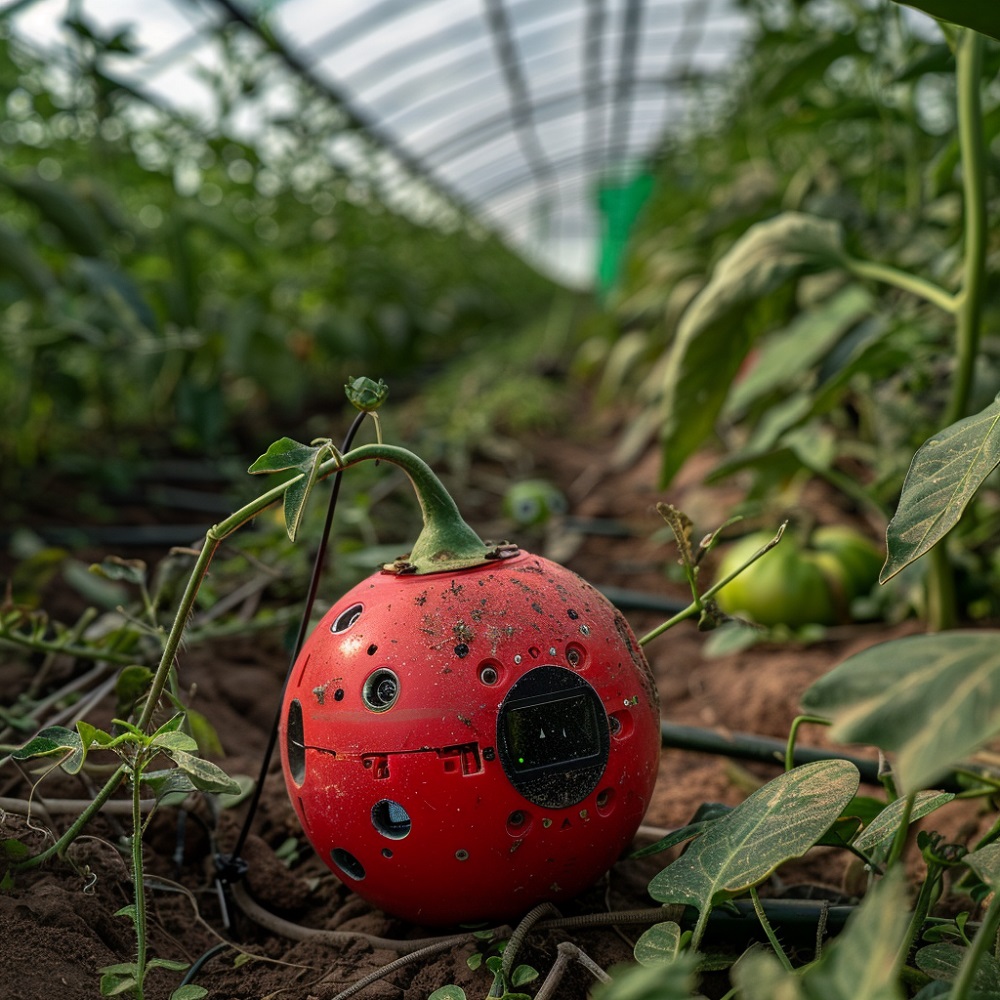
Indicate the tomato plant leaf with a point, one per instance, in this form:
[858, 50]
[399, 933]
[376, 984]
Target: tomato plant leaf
[859, 965]
[884, 826]
[55, 740]
[448, 993]
[713, 338]
[659, 944]
[931, 699]
[282, 455]
[206, 776]
[943, 477]
[986, 864]
[942, 960]
[287, 454]
[778, 822]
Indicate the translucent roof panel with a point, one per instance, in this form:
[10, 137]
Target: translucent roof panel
[514, 110]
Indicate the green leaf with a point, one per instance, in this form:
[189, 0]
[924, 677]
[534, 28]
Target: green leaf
[786, 355]
[52, 741]
[778, 822]
[173, 740]
[942, 960]
[943, 477]
[673, 839]
[207, 777]
[883, 828]
[523, 974]
[132, 684]
[282, 455]
[675, 981]
[170, 786]
[189, 992]
[986, 864]
[713, 338]
[859, 965]
[287, 454]
[127, 570]
[450, 992]
[980, 15]
[659, 944]
[114, 984]
[931, 699]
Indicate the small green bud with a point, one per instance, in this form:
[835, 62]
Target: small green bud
[366, 394]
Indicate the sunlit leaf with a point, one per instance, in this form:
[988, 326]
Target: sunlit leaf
[943, 477]
[930, 699]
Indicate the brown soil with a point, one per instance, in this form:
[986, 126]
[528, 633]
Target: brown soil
[58, 924]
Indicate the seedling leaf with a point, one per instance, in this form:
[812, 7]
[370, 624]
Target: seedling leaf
[943, 477]
[659, 944]
[884, 826]
[55, 740]
[942, 960]
[448, 993]
[931, 699]
[206, 776]
[778, 822]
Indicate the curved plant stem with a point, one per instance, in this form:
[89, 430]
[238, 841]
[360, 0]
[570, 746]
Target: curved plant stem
[903, 280]
[769, 930]
[697, 606]
[793, 732]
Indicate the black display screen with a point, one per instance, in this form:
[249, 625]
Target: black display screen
[555, 731]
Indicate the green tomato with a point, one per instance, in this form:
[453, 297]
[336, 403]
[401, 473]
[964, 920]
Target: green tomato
[796, 586]
[533, 502]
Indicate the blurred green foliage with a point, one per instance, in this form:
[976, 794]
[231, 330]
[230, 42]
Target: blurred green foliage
[164, 287]
[843, 112]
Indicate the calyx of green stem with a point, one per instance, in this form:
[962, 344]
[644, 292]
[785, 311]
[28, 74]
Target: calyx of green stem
[445, 544]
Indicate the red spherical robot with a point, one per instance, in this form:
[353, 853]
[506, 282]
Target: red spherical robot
[463, 743]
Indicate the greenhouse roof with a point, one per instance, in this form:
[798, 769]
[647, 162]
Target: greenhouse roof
[517, 111]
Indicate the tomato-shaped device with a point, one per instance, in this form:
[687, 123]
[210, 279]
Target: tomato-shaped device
[461, 745]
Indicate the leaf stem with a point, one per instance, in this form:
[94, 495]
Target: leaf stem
[698, 604]
[904, 281]
[769, 930]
